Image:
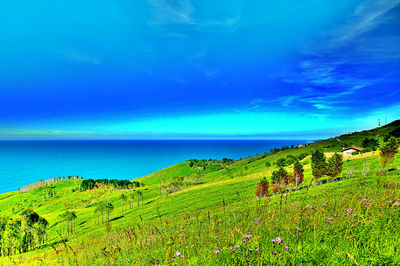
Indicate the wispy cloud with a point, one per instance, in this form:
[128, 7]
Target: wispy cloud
[343, 62]
[183, 12]
[81, 57]
[165, 11]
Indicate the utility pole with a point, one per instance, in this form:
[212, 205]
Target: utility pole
[379, 122]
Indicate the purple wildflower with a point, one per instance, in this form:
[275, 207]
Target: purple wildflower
[287, 248]
[273, 241]
[279, 240]
[216, 251]
[248, 236]
[324, 205]
[298, 229]
[178, 254]
[329, 219]
[216, 237]
[396, 204]
[257, 249]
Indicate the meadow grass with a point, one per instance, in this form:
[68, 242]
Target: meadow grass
[353, 221]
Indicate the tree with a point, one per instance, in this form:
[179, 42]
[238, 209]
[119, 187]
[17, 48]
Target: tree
[262, 188]
[132, 196]
[318, 164]
[370, 143]
[123, 200]
[388, 152]
[280, 178]
[69, 217]
[334, 165]
[298, 173]
[100, 209]
[108, 209]
[139, 193]
[281, 162]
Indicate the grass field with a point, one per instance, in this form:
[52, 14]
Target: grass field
[220, 221]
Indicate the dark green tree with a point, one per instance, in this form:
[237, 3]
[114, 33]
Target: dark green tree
[388, 152]
[334, 165]
[318, 164]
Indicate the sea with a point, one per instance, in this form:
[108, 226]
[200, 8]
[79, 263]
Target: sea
[23, 162]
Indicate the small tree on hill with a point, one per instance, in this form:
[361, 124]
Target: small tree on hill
[335, 165]
[139, 194]
[298, 173]
[262, 188]
[108, 209]
[123, 200]
[318, 164]
[280, 178]
[388, 152]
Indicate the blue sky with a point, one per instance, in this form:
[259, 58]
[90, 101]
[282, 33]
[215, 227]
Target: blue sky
[197, 69]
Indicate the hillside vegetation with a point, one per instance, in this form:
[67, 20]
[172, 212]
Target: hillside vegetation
[206, 212]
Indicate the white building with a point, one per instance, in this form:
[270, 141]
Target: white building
[350, 150]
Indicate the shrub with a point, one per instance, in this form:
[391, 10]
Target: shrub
[267, 164]
[262, 188]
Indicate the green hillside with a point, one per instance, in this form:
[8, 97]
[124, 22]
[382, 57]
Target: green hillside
[206, 211]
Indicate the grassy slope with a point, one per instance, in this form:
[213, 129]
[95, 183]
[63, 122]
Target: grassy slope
[220, 194]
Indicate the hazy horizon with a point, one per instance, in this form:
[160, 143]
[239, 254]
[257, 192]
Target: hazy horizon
[197, 69]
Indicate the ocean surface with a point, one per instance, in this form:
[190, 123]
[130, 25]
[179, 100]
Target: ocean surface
[25, 162]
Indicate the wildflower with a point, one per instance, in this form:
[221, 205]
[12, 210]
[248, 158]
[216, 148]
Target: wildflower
[257, 249]
[216, 237]
[334, 215]
[187, 246]
[279, 240]
[235, 248]
[248, 236]
[216, 251]
[345, 214]
[396, 204]
[244, 240]
[273, 241]
[329, 219]
[274, 253]
[298, 229]
[256, 220]
[349, 210]
[178, 254]
[287, 248]
[324, 205]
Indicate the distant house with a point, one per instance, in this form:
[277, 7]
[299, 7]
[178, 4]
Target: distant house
[300, 146]
[350, 150]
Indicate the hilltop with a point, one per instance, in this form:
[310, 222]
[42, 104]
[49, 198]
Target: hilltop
[206, 211]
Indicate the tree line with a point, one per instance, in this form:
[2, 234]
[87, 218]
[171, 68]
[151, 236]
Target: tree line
[89, 184]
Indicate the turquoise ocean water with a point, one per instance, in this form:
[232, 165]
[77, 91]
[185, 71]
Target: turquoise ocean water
[26, 162]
